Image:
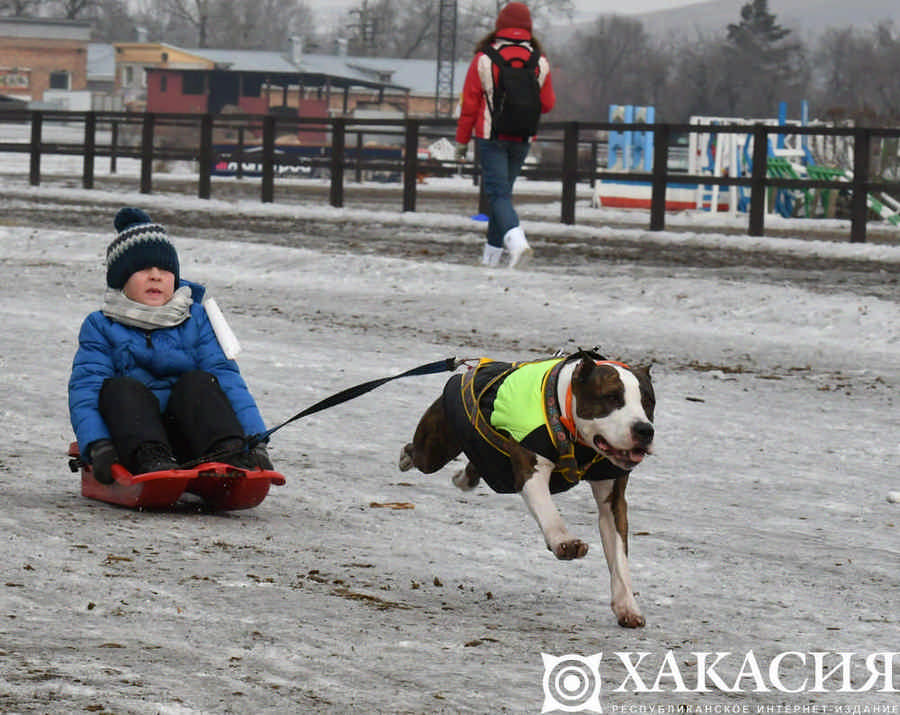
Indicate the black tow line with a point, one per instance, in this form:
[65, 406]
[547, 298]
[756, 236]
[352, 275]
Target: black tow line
[446, 365]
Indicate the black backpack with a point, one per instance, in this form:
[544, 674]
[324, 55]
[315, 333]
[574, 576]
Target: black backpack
[516, 104]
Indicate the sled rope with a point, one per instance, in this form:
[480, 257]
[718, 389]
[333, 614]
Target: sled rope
[446, 365]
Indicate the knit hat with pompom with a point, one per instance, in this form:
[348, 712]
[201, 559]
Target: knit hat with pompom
[515, 14]
[140, 244]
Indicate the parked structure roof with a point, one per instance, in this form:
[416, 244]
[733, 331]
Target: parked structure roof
[246, 60]
[336, 69]
[416, 76]
[43, 28]
[420, 76]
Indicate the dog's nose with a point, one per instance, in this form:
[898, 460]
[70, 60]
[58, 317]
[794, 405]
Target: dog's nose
[643, 432]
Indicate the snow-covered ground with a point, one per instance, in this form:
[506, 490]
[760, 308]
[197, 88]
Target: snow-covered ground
[760, 524]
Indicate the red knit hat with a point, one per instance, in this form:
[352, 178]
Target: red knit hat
[515, 14]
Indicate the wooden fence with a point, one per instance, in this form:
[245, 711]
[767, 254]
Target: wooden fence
[149, 137]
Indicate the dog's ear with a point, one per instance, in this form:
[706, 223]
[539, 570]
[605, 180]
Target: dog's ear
[643, 371]
[584, 367]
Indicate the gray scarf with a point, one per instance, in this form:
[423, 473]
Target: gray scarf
[122, 309]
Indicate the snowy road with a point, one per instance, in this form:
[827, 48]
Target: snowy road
[759, 525]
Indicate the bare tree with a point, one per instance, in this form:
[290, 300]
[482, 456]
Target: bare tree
[421, 38]
[226, 24]
[21, 8]
[836, 78]
[482, 14]
[73, 9]
[850, 69]
[408, 28]
[194, 14]
[151, 17]
[888, 63]
[697, 85]
[110, 20]
[370, 26]
[613, 61]
[262, 25]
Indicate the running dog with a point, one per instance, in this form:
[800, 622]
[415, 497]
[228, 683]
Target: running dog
[538, 428]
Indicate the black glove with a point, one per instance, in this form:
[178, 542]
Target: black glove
[103, 456]
[260, 455]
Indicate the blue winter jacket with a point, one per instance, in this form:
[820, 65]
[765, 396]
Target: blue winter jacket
[155, 357]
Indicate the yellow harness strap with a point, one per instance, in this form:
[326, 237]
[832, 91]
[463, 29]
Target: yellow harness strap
[471, 404]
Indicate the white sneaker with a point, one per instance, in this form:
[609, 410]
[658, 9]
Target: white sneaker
[517, 245]
[491, 257]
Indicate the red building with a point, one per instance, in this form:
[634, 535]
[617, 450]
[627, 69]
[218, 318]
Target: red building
[166, 79]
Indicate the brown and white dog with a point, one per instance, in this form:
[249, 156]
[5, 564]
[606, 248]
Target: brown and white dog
[538, 428]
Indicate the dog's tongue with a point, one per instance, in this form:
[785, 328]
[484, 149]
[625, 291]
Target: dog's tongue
[635, 456]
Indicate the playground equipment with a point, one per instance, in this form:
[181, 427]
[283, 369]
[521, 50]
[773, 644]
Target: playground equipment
[632, 150]
[789, 156]
[790, 203]
[730, 154]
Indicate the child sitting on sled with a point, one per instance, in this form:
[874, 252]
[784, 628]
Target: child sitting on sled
[150, 383]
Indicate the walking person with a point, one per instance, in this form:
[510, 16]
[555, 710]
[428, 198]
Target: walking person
[151, 385]
[507, 88]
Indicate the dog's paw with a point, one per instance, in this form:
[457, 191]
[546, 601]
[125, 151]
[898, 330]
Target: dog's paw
[466, 481]
[627, 612]
[572, 549]
[405, 462]
[631, 619]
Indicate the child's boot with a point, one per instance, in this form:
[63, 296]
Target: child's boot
[153, 457]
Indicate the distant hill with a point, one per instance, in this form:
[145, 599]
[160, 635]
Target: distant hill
[806, 18]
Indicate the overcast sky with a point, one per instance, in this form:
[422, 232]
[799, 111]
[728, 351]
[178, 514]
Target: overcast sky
[585, 9]
[633, 7]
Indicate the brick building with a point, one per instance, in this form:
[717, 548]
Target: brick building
[41, 59]
[51, 64]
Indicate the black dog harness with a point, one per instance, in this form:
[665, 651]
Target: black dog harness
[469, 402]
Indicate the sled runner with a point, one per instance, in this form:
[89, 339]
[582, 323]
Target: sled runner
[221, 486]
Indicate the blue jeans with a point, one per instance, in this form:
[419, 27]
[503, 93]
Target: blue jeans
[501, 162]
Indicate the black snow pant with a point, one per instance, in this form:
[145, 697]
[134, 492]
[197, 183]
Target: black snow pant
[198, 415]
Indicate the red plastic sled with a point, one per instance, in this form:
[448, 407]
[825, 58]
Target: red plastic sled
[221, 486]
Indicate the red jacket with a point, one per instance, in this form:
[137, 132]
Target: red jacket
[474, 116]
